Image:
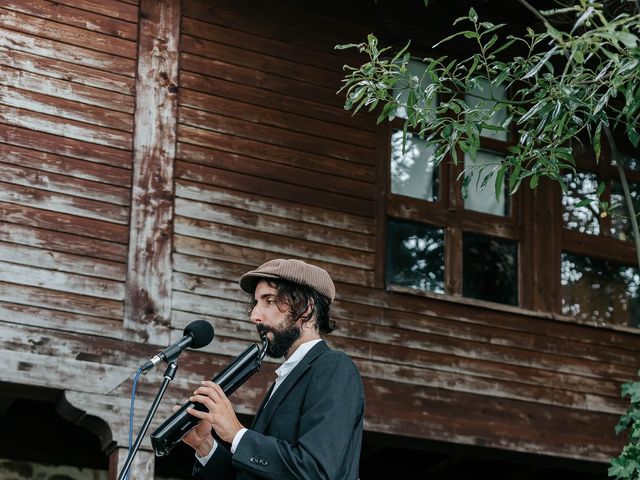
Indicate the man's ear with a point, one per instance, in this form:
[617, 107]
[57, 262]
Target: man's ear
[306, 318]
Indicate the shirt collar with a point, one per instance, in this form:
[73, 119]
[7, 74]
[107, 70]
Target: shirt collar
[295, 357]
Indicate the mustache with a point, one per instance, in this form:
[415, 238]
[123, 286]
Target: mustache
[263, 329]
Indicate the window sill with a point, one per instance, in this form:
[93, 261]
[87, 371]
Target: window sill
[473, 302]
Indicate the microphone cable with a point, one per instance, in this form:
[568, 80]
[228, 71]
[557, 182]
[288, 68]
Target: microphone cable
[131, 410]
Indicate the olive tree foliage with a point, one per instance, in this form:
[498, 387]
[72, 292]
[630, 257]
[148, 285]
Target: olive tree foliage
[574, 78]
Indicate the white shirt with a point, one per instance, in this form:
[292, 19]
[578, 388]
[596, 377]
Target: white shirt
[282, 372]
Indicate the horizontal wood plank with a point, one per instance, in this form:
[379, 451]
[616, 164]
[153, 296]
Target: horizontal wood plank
[53, 93]
[63, 70]
[205, 147]
[40, 27]
[256, 204]
[66, 128]
[126, 10]
[273, 188]
[60, 261]
[208, 81]
[43, 47]
[61, 301]
[485, 333]
[320, 78]
[211, 28]
[226, 69]
[67, 204]
[61, 281]
[59, 320]
[62, 242]
[292, 23]
[545, 327]
[320, 180]
[70, 225]
[67, 166]
[236, 105]
[83, 17]
[45, 142]
[275, 136]
[203, 257]
[284, 246]
[272, 224]
[53, 182]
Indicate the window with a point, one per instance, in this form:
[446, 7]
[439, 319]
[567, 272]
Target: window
[446, 232]
[569, 253]
[599, 274]
[600, 291]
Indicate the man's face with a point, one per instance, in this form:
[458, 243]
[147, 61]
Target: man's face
[274, 322]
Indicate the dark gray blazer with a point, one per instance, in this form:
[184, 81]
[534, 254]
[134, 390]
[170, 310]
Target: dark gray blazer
[310, 429]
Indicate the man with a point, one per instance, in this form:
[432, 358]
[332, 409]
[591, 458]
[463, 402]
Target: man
[309, 425]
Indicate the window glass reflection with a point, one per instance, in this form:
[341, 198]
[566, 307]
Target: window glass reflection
[581, 185]
[415, 256]
[630, 154]
[479, 99]
[600, 291]
[413, 169]
[480, 194]
[620, 223]
[400, 91]
[490, 269]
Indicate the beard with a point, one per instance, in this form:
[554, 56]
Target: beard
[283, 338]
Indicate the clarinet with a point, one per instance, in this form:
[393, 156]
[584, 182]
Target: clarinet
[169, 434]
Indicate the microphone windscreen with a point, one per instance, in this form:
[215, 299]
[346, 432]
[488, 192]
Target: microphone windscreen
[201, 331]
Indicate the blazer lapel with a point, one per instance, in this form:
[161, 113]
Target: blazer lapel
[261, 407]
[269, 406]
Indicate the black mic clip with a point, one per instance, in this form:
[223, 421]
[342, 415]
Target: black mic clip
[197, 334]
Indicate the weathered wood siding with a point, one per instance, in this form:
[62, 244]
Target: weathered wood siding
[66, 120]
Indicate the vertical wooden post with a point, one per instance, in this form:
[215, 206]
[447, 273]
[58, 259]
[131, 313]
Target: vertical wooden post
[546, 247]
[142, 467]
[149, 271]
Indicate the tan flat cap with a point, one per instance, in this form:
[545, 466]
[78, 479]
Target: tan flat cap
[295, 271]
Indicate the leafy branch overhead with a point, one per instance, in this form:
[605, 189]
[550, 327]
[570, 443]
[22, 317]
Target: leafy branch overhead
[565, 84]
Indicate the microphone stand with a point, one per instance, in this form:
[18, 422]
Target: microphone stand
[169, 373]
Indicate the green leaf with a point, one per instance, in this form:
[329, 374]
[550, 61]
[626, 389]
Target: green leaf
[473, 16]
[346, 46]
[499, 186]
[628, 39]
[634, 136]
[540, 63]
[597, 146]
[583, 203]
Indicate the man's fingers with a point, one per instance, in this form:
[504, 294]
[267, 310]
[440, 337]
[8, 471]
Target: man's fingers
[197, 413]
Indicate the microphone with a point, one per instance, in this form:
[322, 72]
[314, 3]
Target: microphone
[197, 334]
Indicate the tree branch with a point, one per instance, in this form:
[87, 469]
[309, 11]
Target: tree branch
[536, 12]
[625, 188]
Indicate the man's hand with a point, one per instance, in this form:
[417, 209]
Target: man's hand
[220, 415]
[199, 437]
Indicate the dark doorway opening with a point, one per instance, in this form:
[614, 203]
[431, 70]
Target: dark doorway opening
[33, 431]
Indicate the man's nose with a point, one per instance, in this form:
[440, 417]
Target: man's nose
[255, 315]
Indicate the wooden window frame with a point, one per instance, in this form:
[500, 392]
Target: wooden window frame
[448, 213]
[603, 245]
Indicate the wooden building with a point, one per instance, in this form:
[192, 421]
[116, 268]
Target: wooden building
[152, 151]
